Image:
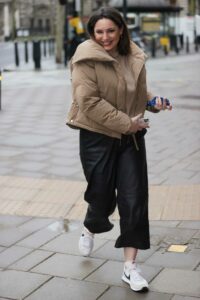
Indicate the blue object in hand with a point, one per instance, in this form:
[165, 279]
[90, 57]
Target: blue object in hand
[152, 102]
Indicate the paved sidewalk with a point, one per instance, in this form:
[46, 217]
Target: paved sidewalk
[39, 260]
[25, 196]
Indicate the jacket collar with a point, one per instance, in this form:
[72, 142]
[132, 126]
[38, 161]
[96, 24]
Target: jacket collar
[90, 50]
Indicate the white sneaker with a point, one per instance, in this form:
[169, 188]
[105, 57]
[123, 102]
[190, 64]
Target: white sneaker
[133, 278]
[86, 242]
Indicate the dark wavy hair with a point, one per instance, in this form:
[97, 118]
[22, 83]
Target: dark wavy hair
[112, 14]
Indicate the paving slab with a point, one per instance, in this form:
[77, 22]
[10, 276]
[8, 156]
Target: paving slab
[177, 297]
[175, 281]
[12, 221]
[29, 140]
[195, 243]
[163, 223]
[197, 235]
[187, 261]
[12, 254]
[2, 248]
[38, 238]
[111, 273]
[36, 224]
[62, 289]
[143, 255]
[63, 265]
[198, 268]
[17, 193]
[156, 240]
[68, 243]
[33, 197]
[173, 235]
[189, 224]
[108, 251]
[10, 236]
[31, 260]
[17, 284]
[119, 293]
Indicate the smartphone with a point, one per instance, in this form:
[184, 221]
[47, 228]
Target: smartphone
[152, 102]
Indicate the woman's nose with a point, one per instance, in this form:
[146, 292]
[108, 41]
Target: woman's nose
[105, 35]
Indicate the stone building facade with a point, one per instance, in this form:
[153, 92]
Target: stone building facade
[37, 17]
[31, 16]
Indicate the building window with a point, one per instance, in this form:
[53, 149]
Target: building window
[40, 24]
[47, 25]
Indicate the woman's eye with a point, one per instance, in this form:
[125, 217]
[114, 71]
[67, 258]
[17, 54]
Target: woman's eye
[108, 31]
[99, 32]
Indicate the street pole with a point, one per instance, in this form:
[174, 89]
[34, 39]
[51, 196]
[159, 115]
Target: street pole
[60, 15]
[13, 10]
[66, 29]
[125, 9]
[0, 87]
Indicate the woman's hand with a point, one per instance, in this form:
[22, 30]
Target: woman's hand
[138, 123]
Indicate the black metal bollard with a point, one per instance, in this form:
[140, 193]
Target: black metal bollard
[165, 49]
[196, 47]
[49, 43]
[26, 51]
[181, 41]
[16, 54]
[176, 44]
[37, 54]
[0, 87]
[153, 47]
[45, 48]
[187, 45]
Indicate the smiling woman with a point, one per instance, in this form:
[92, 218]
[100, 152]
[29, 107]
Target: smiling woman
[109, 101]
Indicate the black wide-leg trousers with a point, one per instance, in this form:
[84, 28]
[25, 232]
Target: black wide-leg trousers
[116, 173]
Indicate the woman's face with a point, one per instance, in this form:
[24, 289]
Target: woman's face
[107, 34]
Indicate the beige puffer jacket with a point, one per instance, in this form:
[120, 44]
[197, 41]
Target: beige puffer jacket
[98, 90]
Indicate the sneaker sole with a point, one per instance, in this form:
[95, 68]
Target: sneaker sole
[142, 289]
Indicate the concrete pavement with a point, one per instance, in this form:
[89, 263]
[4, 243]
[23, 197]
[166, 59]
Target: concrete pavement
[41, 200]
[39, 260]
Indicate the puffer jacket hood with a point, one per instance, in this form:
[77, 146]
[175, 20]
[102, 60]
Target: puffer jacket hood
[93, 51]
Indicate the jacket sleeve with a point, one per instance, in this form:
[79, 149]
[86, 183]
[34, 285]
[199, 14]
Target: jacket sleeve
[86, 94]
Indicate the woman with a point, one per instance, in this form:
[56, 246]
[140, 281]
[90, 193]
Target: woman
[109, 100]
